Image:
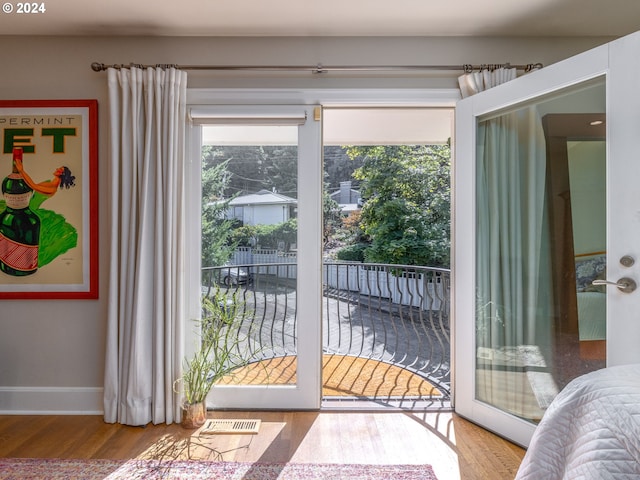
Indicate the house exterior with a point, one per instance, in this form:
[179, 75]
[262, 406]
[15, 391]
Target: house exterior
[262, 208]
[347, 197]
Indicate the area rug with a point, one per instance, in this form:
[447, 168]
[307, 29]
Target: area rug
[57, 469]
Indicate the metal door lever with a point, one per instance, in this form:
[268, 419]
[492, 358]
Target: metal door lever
[625, 284]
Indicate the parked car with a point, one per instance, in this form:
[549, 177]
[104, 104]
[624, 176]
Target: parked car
[231, 275]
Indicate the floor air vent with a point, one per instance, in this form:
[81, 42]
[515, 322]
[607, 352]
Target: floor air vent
[214, 426]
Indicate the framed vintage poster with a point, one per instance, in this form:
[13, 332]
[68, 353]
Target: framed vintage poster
[49, 203]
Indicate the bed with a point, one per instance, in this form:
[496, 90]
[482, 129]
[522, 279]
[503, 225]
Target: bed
[591, 430]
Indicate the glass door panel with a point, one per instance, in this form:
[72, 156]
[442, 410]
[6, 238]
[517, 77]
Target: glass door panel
[260, 177]
[254, 272]
[540, 240]
[545, 205]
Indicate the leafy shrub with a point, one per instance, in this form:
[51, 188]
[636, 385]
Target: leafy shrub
[352, 253]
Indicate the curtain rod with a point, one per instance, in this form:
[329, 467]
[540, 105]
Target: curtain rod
[319, 68]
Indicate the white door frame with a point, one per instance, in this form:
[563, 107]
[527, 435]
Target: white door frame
[306, 392]
[247, 99]
[620, 64]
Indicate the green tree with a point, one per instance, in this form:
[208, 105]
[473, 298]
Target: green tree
[254, 168]
[244, 163]
[331, 214]
[281, 169]
[406, 211]
[217, 245]
[267, 236]
[338, 167]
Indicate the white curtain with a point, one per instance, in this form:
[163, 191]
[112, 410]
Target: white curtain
[513, 251]
[513, 276]
[147, 200]
[474, 82]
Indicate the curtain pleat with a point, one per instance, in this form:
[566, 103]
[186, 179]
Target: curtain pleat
[512, 244]
[474, 82]
[513, 257]
[146, 288]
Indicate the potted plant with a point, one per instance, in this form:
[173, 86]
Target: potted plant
[223, 348]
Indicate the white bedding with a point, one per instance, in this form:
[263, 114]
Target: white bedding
[591, 430]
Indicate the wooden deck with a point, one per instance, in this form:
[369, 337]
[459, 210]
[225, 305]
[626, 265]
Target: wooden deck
[342, 376]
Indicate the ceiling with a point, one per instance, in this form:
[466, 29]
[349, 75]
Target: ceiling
[324, 18]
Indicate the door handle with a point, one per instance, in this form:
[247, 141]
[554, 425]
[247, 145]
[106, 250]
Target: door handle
[625, 284]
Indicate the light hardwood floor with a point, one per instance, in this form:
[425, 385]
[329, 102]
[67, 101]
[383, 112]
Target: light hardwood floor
[454, 447]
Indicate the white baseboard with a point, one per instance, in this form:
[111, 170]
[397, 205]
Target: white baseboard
[51, 401]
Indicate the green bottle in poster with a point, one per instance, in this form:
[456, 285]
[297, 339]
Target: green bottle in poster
[19, 226]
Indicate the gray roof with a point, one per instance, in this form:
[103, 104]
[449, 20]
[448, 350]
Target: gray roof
[263, 197]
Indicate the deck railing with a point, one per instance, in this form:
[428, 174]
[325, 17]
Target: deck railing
[395, 314]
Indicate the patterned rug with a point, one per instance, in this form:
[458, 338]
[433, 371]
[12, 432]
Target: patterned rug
[57, 469]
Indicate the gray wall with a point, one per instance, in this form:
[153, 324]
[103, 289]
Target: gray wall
[51, 352]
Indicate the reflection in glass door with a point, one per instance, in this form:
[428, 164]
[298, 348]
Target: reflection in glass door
[541, 241]
[576, 162]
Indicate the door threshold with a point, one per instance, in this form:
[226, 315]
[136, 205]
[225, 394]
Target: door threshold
[371, 404]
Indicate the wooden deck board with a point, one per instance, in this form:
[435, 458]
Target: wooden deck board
[342, 375]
